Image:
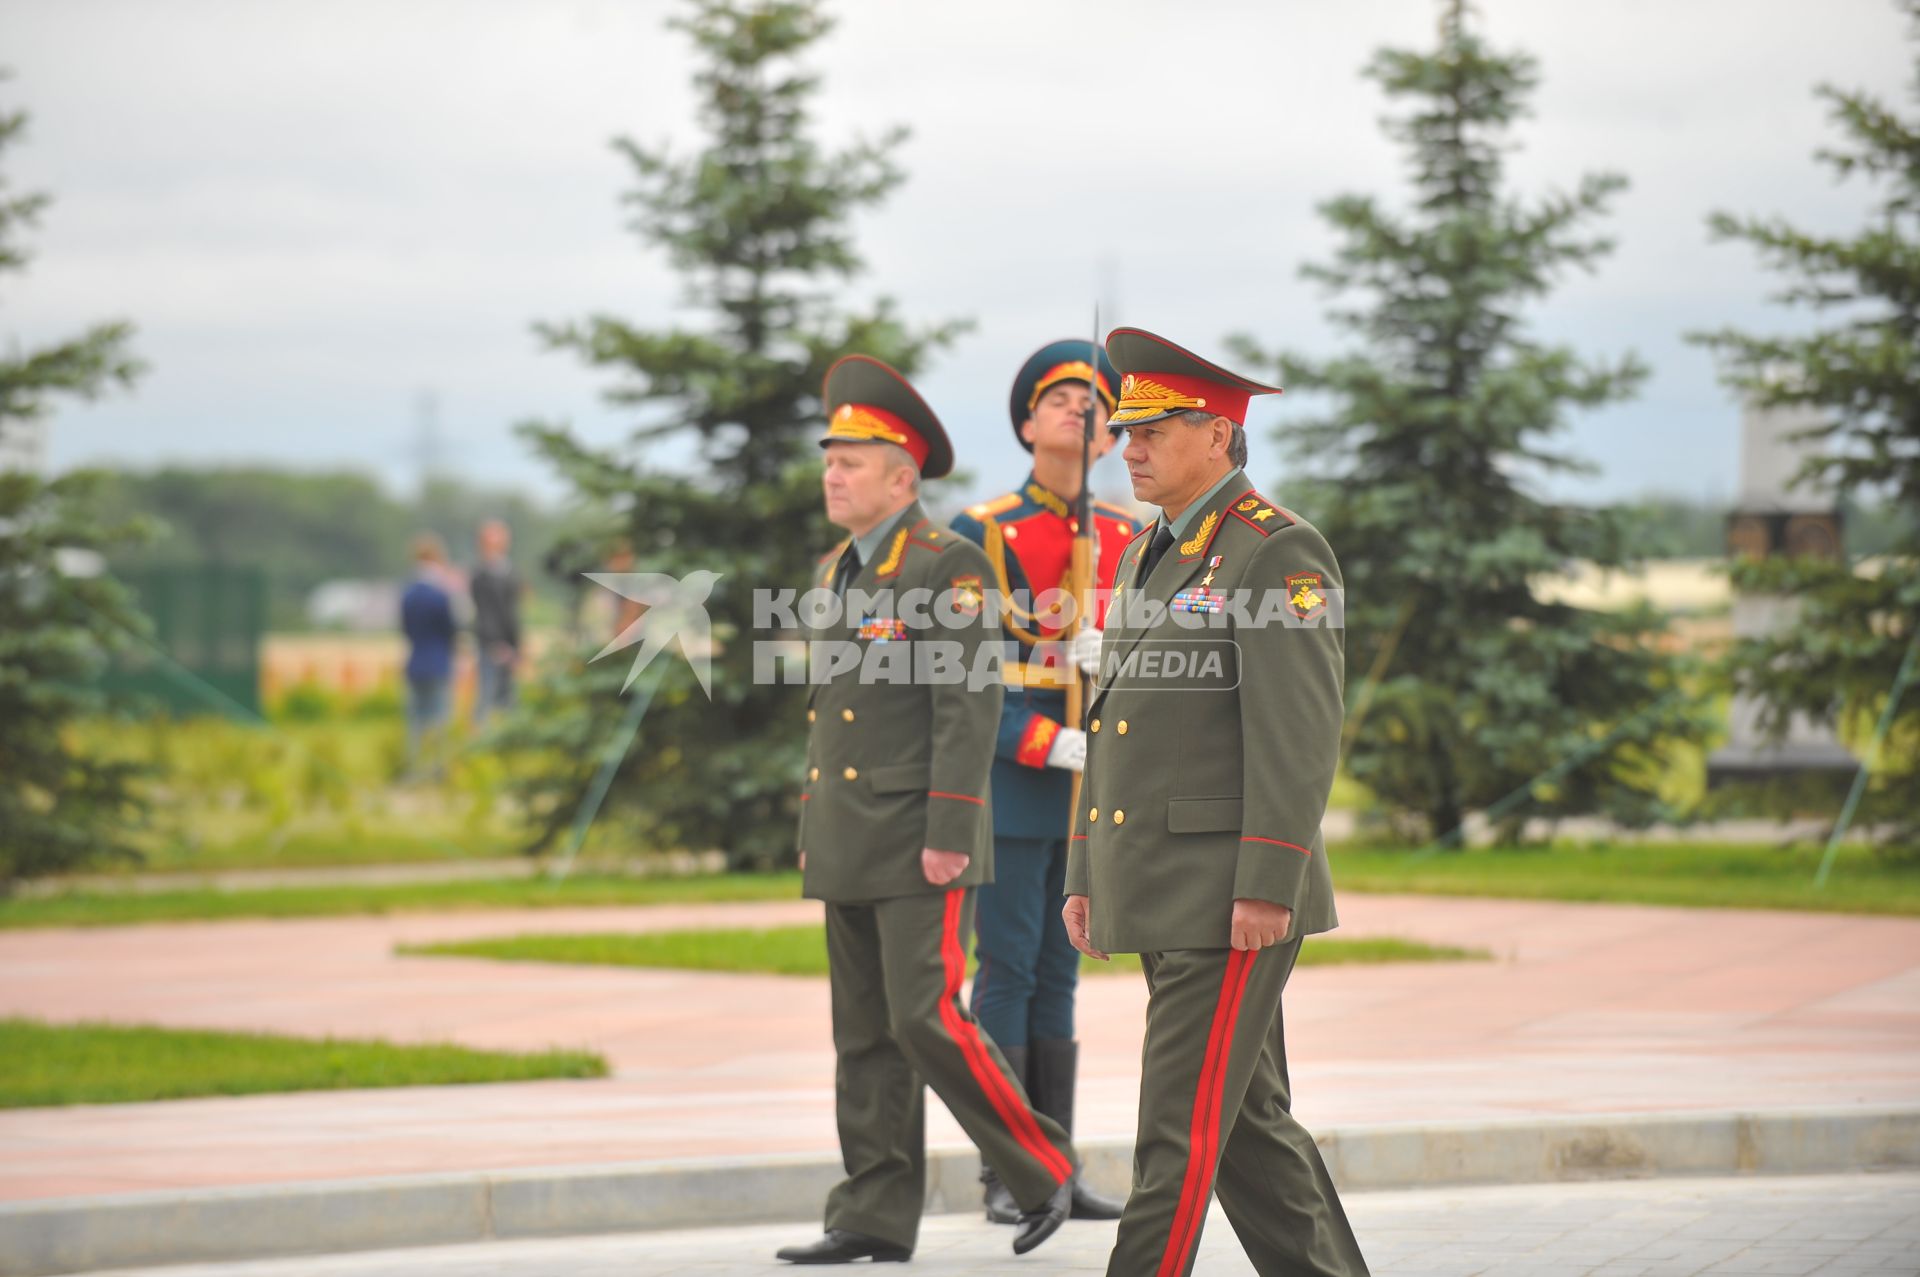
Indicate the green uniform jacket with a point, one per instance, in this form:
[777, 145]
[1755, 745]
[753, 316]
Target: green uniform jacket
[1203, 790]
[898, 763]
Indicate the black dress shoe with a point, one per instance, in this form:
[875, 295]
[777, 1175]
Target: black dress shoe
[842, 1247]
[1088, 1204]
[1052, 1068]
[1043, 1221]
[1001, 1208]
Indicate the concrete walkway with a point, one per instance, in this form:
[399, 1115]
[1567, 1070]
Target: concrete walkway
[1854, 1224]
[1588, 1009]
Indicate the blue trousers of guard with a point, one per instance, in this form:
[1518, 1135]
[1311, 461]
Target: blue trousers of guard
[1024, 986]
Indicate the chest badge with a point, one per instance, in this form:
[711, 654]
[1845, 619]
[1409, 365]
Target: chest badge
[1198, 599]
[882, 629]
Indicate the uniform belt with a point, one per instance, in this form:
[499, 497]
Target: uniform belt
[1025, 674]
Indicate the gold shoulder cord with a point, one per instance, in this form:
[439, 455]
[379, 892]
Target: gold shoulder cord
[996, 548]
[892, 561]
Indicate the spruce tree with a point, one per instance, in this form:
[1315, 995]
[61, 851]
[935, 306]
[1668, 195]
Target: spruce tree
[757, 223]
[1856, 628]
[1468, 691]
[60, 808]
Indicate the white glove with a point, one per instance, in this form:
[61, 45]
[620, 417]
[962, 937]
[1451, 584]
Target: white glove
[1083, 649]
[1069, 750]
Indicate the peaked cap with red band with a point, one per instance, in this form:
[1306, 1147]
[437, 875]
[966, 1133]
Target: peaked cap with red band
[1053, 363]
[868, 402]
[1159, 379]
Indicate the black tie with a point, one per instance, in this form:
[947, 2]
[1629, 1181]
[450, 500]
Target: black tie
[846, 569]
[1162, 541]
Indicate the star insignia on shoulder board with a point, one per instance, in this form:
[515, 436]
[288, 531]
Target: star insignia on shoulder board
[1265, 513]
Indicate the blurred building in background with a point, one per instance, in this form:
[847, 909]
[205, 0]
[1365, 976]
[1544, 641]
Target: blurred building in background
[1777, 518]
[23, 446]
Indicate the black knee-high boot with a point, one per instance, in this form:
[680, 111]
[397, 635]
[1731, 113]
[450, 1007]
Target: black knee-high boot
[1051, 1072]
[1001, 1208]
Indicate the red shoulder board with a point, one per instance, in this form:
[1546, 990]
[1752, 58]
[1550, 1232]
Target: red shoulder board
[1260, 514]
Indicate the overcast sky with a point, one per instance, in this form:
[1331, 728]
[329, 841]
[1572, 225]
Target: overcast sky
[318, 212]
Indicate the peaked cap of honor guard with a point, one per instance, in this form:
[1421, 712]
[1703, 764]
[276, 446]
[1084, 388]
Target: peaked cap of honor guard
[868, 402]
[1053, 363]
[1158, 379]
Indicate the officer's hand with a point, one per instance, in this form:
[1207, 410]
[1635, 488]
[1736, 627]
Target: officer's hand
[1259, 924]
[942, 867]
[1069, 750]
[1075, 916]
[1083, 649]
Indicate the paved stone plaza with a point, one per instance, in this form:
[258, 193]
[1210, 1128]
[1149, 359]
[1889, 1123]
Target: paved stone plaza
[1584, 1010]
[1855, 1224]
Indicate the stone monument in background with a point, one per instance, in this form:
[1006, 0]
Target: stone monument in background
[23, 446]
[1773, 519]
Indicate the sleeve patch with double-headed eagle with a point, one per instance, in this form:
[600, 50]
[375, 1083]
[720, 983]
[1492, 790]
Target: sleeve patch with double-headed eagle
[1306, 594]
[968, 595]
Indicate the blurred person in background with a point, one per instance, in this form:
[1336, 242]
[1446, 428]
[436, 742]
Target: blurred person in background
[496, 621]
[621, 610]
[426, 618]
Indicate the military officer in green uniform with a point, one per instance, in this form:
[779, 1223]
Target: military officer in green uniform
[1212, 737]
[896, 830]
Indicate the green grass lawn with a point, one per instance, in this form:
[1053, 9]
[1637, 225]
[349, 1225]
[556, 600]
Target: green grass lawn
[803, 951]
[100, 909]
[1702, 874]
[1709, 875]
[44, 1064]
[327, 844]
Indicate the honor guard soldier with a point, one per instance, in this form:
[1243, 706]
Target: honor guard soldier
[1023, 989]
[1197, 842]
[896, 831]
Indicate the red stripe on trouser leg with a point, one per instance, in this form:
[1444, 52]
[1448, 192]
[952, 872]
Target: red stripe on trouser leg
[1197, 1128]
[1013, 1111]
[1213, 1120]
[1203, 1137]
[1196, 1132]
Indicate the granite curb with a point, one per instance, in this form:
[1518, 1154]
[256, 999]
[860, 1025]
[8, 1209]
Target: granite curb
[67, 1235]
